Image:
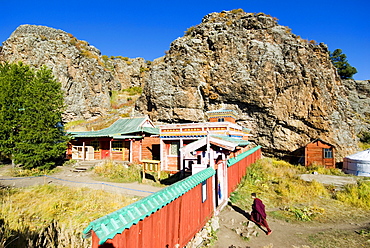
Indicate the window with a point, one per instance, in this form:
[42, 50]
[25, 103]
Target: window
[328, 153]
[220, 119]
[174, 148]
[95, 144]
[117, 146]
[204, 191]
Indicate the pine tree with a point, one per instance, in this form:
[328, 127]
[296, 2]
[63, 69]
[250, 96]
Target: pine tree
[31, 131]
[345, 70]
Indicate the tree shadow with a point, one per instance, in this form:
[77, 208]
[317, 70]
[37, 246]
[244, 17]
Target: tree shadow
[174, 178]
[149, 177]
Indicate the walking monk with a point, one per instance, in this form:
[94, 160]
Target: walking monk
[258, 214]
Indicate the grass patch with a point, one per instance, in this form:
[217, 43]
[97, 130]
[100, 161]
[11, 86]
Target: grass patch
[356, 195]
[20, 172]
[73, 123]
[52, 216]
[338, 238]
[120, 173]
[279, 185]
[135, 90]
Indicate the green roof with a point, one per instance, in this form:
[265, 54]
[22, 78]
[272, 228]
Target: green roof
[108, 226]
[241, 156]
[118, 128]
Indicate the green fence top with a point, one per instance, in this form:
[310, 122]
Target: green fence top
[241, 156]
[114, 223]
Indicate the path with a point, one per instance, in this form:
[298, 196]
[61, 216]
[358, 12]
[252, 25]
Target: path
[234, 224]
[67, 177]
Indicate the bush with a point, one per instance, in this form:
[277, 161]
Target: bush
[365, 137]
[135, 90]
[356, 195]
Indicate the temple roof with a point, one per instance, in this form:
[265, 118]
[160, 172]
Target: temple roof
[121, 127]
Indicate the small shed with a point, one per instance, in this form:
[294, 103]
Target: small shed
[319, 152]
[358, 164]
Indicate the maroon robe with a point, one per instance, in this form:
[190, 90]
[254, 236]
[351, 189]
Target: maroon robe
[258, 211]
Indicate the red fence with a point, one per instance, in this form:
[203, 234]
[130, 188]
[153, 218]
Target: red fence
[170, 217]
[237, 167]
[174, 224]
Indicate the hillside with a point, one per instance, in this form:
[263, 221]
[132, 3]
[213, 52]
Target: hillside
[88, 78]
[283, 87]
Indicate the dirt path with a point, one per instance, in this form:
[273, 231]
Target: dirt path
[67, 177]
[234, 225]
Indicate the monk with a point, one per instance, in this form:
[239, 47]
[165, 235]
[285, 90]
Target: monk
[258, 214]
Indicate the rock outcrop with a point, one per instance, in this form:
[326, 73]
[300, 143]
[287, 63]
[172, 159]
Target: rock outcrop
[283, 87]
[87, 77]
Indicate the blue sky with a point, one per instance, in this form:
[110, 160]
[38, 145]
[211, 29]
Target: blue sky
[147, 28]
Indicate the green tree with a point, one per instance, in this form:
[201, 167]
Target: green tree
[345, 70]
[31, 133]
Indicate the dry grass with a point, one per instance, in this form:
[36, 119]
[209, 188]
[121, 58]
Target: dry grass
[52, 216]
[278, 183]
[337, 238]
[120, 173]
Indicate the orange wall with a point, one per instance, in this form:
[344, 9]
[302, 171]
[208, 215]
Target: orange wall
[314, 154]
[147, 147]
[215, 119]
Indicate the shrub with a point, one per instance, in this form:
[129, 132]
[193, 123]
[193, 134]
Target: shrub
[235, 11]
[365, 137]
[356, 195]
[189, 30]
[143, 69]
[135, 90]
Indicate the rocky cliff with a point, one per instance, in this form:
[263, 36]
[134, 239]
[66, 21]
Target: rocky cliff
[283, 87]
[87, 77]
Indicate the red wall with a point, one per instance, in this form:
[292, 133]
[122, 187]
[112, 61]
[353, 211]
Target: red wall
[175, 223]
[139, 146]
[180, 220]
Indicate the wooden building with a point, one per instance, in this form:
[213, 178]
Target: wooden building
[128, 139]
[319, 152]
[220, 129]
